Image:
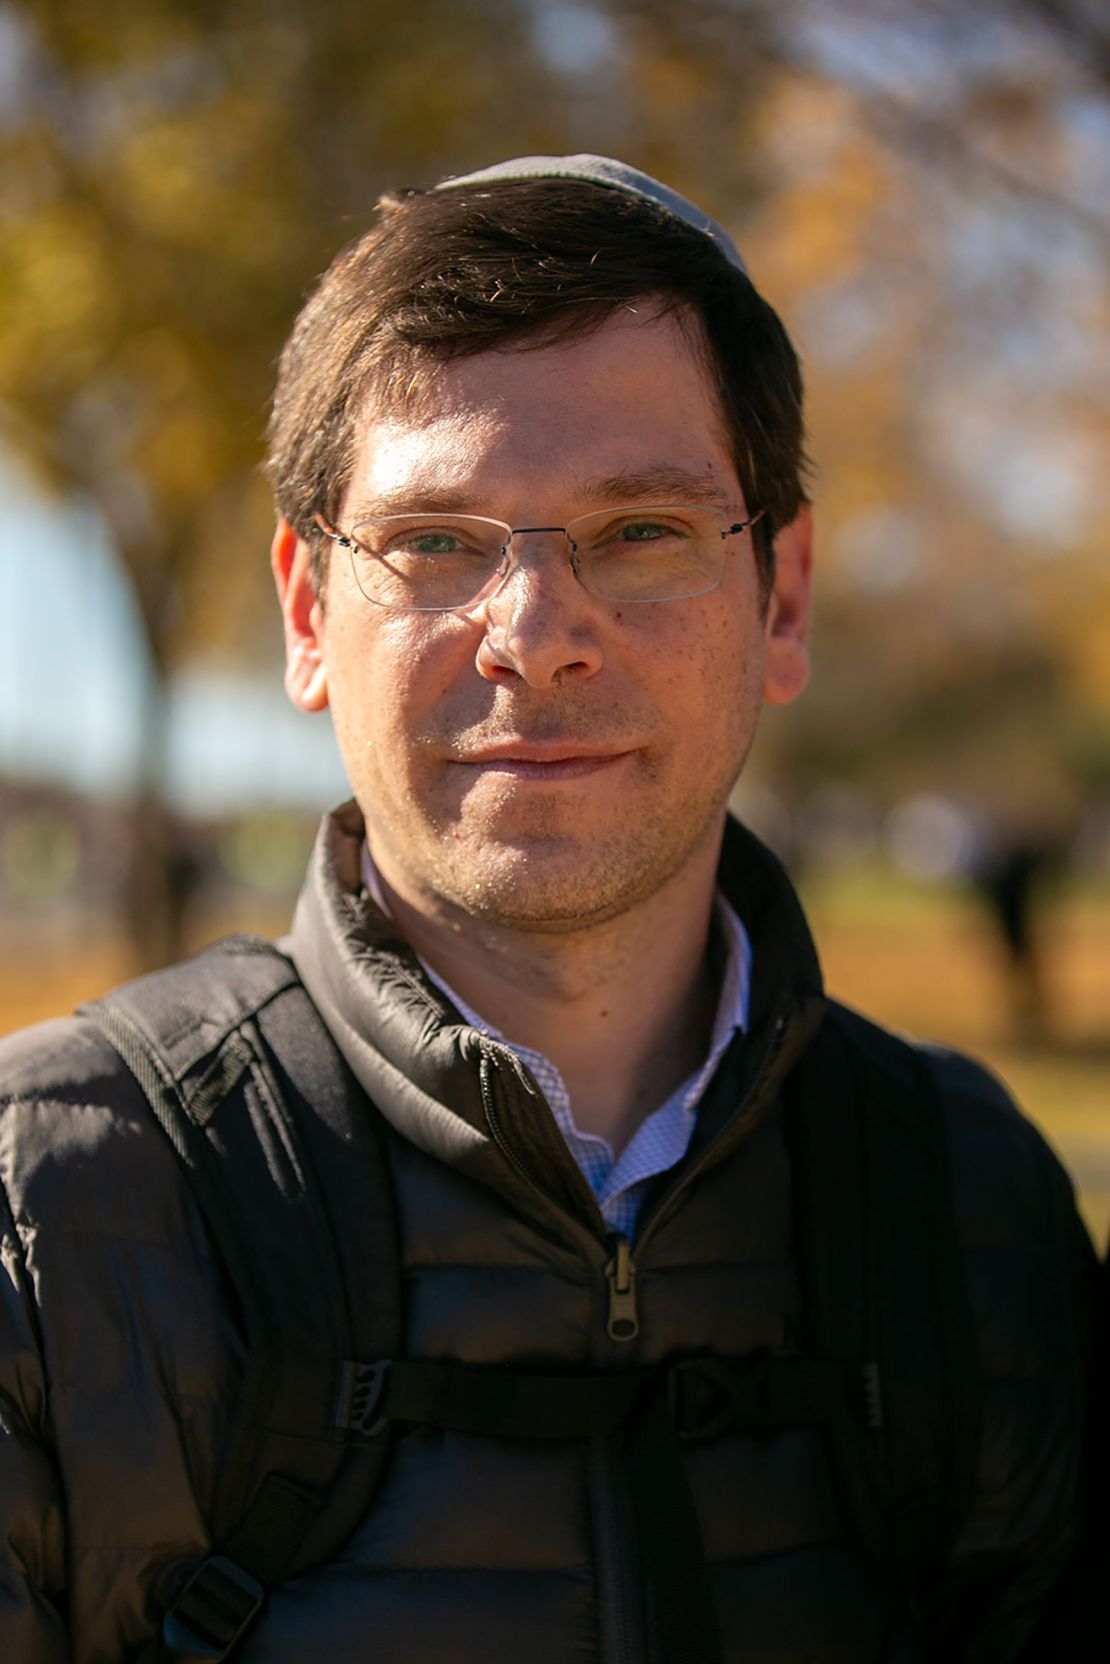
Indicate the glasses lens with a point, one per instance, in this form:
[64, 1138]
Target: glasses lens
[421, 562]
[649, 554]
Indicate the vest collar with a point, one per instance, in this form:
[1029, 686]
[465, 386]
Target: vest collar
[421, 1063]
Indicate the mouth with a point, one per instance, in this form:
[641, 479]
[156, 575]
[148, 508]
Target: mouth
[551, 761]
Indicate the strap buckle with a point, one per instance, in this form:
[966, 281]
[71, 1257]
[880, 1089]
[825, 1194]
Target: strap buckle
[212, 1611]
[703, 1398]
[706, 1396]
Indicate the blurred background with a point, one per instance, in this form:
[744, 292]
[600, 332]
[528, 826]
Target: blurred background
[922, 188]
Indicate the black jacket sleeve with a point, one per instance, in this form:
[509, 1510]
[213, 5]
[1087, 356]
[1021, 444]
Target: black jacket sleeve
[1031, 1281]
[33, 1628]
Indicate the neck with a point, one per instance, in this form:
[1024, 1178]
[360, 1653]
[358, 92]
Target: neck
[624, 1009]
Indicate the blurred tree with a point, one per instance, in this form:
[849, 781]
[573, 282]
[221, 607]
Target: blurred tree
[920, 188]
[174, 178]
[938, 237]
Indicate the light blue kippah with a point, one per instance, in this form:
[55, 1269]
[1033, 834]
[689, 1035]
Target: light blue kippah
[617, 176]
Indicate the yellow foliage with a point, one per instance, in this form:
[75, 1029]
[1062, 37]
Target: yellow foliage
[201, 165]
[814, 231]
[58, 279]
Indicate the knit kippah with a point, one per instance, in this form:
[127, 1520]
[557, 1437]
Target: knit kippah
[614, 175]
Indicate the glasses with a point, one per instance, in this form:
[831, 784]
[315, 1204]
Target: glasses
[440, 562]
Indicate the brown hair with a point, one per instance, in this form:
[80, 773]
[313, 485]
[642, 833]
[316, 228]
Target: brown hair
[446, 274]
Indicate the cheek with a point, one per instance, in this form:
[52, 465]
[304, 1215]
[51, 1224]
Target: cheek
[710, 664]
[385, 674]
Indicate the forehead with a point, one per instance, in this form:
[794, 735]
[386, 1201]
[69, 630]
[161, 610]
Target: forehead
[517, 428]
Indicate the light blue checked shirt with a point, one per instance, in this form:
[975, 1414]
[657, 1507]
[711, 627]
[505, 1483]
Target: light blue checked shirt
[662, 1139]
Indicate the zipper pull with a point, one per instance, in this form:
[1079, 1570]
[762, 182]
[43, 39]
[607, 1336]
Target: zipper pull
[624, 1319]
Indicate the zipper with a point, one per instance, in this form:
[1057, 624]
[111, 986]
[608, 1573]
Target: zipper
[619, 1591]
[622, 1316]
[622, 1308]
[620, 1274]
[617, 1571]
[618, 1584]
[489, 1058]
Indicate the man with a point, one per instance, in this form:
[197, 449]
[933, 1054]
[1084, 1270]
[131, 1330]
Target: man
[543, 550]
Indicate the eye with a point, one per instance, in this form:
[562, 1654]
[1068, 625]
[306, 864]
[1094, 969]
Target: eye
[642, 531]
[618, 533]
[434, 541]
[429, 543]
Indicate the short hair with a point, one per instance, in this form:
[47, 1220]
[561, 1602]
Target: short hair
[446, 274]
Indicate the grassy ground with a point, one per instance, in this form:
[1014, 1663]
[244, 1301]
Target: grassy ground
[918, 960]
[921, 960]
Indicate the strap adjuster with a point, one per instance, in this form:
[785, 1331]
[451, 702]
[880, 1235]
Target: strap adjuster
[768, 1391]
[358, 1401]
[212, 1611]
[706, 1396]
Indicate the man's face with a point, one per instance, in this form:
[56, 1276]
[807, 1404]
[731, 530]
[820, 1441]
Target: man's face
[544, 758]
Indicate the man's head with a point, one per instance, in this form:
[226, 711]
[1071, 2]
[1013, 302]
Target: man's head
[530, 252]
[553, 747]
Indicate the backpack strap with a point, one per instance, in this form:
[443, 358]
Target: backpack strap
[884, 1282]
[229, 1052]
[248, 1086]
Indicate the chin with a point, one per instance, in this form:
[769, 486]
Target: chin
[551, 884]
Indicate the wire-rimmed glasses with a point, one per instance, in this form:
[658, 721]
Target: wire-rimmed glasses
[441, 562]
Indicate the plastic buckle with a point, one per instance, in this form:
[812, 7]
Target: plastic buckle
[210, 1614]
[705, 1397]
[873, 1397]
[360, 1393]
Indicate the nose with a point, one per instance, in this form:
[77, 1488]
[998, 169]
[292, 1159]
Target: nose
[538, 624]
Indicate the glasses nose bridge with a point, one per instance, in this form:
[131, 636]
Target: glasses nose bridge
[510, 559]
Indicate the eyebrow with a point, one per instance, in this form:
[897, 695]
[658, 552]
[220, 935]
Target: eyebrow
[656, 483]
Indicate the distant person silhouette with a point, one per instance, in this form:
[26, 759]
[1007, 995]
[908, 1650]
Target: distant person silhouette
[1011, 876]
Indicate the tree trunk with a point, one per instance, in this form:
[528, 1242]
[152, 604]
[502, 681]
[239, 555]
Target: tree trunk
[161, 876]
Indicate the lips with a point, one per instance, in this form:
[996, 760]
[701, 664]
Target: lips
[551, 760]
[549, 752]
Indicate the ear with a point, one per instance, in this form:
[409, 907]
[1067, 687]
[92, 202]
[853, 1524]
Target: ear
[303, 618]
[788, 611]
